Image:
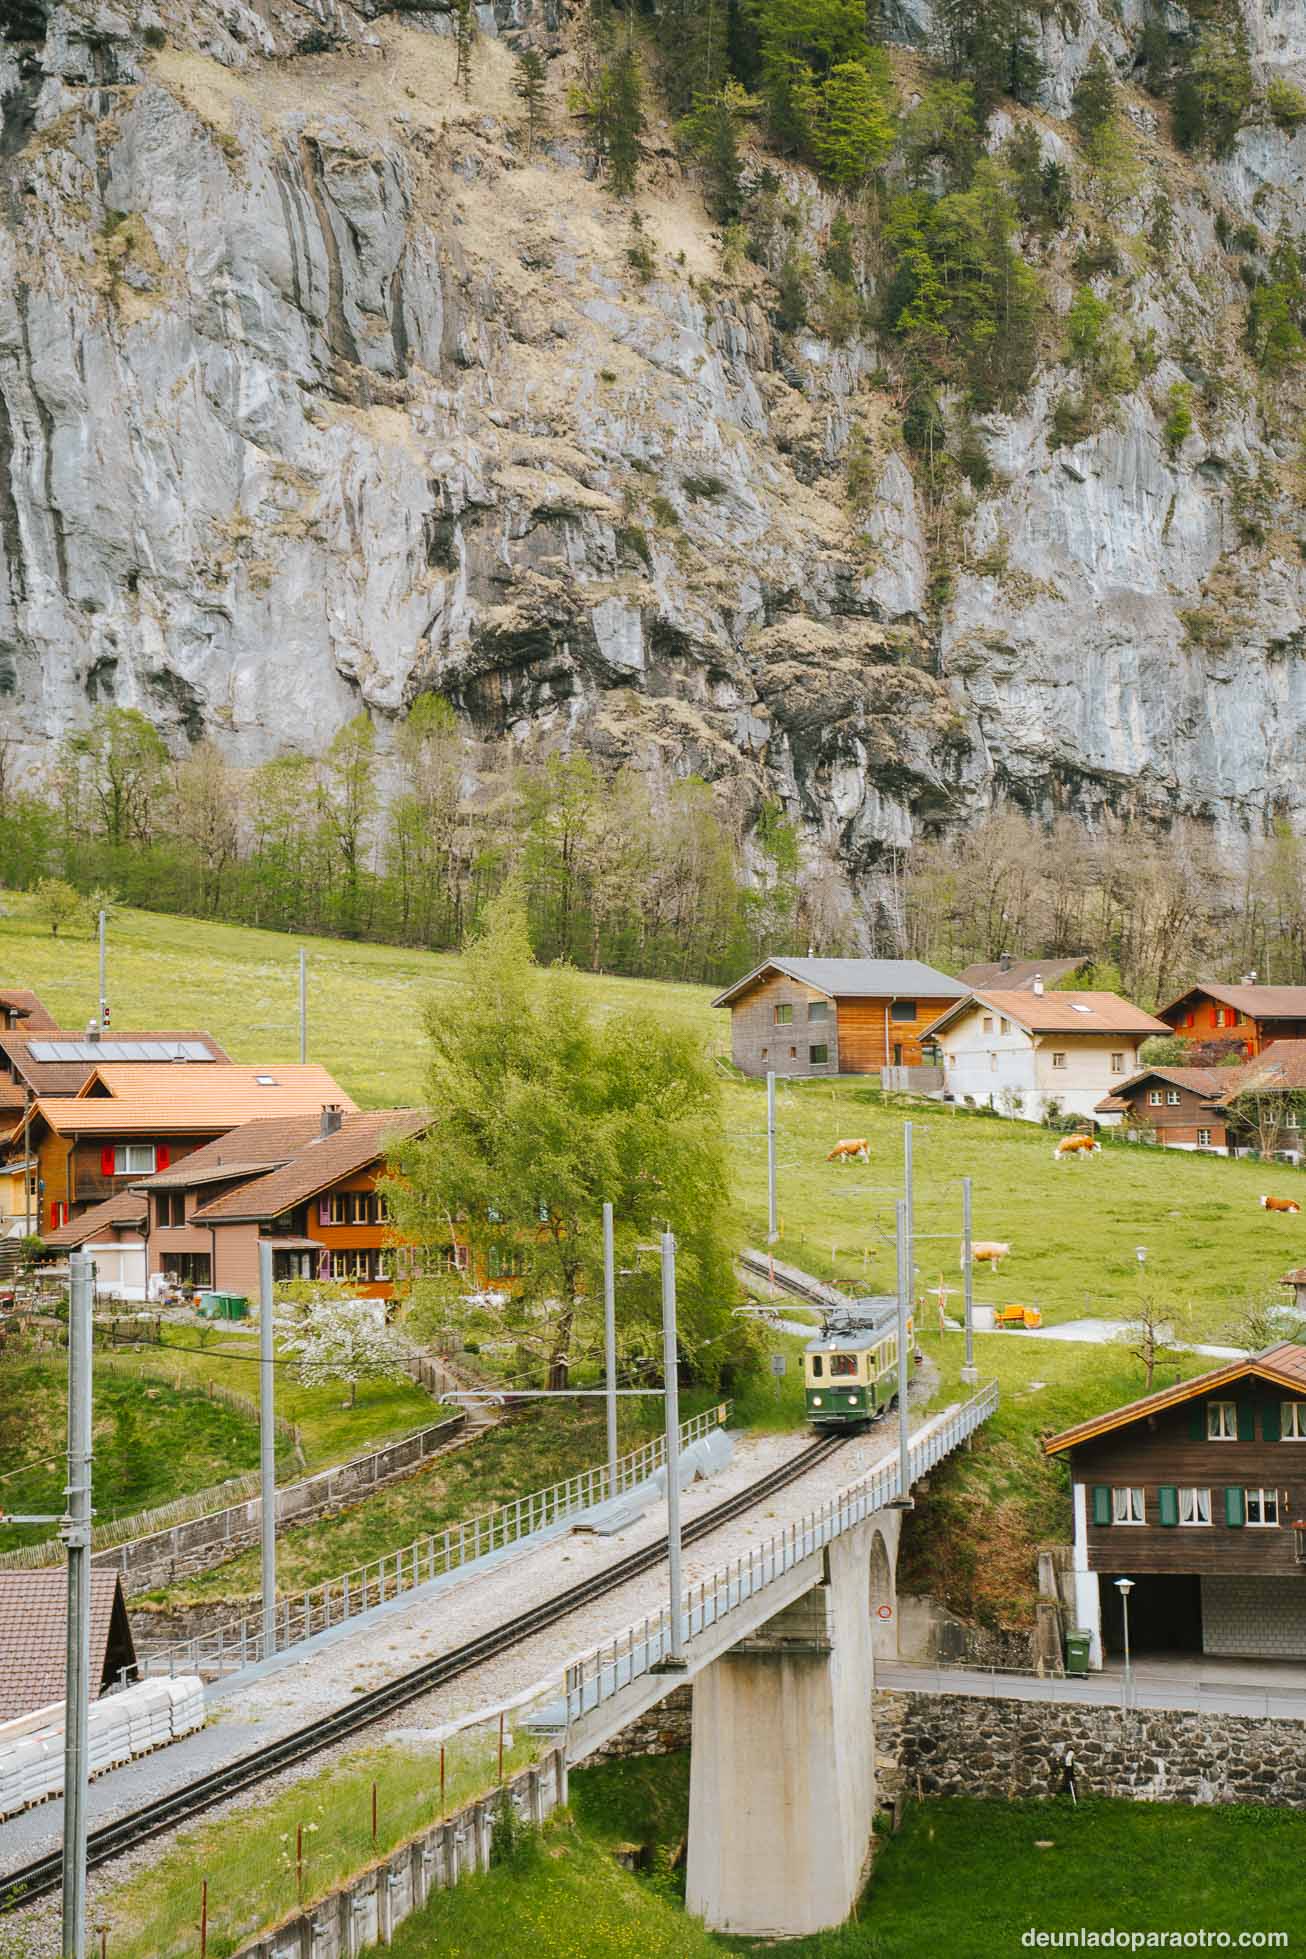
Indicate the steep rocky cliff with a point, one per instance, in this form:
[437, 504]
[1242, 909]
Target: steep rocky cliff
[315, 393]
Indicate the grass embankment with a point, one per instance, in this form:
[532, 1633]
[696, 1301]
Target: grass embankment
[250, 1862]
[972, 1538]
[153, 1441]
[1141, 1866]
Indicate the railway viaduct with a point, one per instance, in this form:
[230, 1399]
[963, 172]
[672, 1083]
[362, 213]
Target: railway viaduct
[781, 1650]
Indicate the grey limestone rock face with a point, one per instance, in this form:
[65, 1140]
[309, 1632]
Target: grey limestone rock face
[314, 394]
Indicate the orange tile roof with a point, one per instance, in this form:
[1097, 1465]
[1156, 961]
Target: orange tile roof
[1256, 1002]
[1279, 1068]
[172, 1098]
[1201, 1081]
[319, 1162]
[70, 1077]
[1060, 1013]
[1284, 1364]
[21, 1000]
[123, 1208]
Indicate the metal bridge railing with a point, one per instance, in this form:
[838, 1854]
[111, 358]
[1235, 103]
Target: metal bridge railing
[238, 1644]
[597, 1676]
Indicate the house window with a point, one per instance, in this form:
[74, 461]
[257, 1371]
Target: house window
[1221, 1421]
[783, 1015]
[172, 1209]
[1194, 1506]
[449, 1258]
[818, 1055]
[1004, 1025]
[505, 1262]
[1262, 1508]
[1203, 1139]
[1127, 1507]
[1058, 1060]
[993, 1063]
[58, 1215]
[1190, 1020]
[361, 1206]
[1172, 1098]
[765, 1053]
[338, 1207]
[793, 1054]
[1154, 1098]
[902, 1010]
[1292, 1120]
[1117, 1064]
[988, 1023]
[133, 1160]
[818, 1010]
[1292, 1421]
[1219, 1017]
[189, 1268]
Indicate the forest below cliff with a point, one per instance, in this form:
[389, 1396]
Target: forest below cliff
[764, 473]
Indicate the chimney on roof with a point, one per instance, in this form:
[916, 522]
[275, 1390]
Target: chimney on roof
[1248, 979]
[92, 1030]
[1037, 986]
[1004, 961]
[332, 1117]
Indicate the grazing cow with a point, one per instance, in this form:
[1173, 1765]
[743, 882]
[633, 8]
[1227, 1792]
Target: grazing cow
[1075, 1146]
[1280, 1204]
[852, 1149]
[986, 1251]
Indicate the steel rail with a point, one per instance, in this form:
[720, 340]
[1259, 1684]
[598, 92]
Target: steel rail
[35, 1880]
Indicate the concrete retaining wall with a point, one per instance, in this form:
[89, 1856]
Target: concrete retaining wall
[956, 1745]
[184, 1549]
[365, 1912]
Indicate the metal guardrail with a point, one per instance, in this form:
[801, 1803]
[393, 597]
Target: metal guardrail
[1141, 1693]
[239, 1644]
[597, 1676]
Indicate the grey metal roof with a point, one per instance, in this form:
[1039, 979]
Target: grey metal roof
[111, 1050]
[853, 978]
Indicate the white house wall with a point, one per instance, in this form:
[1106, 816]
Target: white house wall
[993, 1068]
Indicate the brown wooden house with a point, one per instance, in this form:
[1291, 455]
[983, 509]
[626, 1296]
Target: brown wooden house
[1222, 1019]
[833, 1016]
[1172, 1105]
[1198, 1494]
[306, 1185]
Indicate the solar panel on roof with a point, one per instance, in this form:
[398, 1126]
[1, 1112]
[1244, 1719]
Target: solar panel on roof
[118, 1051]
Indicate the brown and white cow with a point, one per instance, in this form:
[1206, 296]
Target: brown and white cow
[1075, 1146]
[851, 1149]
[1280, 1204]
[987, 1251]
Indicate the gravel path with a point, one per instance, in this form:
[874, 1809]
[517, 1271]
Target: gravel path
[324, 1679]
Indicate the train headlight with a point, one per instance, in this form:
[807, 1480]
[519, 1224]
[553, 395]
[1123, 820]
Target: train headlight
[816, 1401]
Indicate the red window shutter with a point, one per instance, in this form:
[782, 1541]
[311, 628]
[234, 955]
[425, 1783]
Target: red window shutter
[161, 1157]
[324, 1210]
[106, 1161]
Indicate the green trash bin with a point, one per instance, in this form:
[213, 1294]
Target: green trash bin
[1077, 1644]
[231, 1305]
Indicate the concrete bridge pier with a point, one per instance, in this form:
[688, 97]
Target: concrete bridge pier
[782, 1774]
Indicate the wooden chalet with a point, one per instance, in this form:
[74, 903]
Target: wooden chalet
[833, 1016]
[307, 1185]
[1198, 1494]
[34, 1637]
[1245, 1018]
[1171, 1105]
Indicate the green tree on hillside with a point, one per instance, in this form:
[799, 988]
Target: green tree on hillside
[1214, 91]
[540, 1111]
[850, 119]
[799, 43]
[990, 44]
[712, 130]
[349, 800]
[116, 772]
[464, 41]
[615, 106]
[529, 87]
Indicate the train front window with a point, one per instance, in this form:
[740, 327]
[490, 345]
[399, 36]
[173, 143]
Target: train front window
[842, 1365]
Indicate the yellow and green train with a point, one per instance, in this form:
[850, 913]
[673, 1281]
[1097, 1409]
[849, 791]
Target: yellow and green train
[850, 1372]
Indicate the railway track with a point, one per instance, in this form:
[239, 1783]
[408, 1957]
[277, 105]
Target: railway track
[44, 1874]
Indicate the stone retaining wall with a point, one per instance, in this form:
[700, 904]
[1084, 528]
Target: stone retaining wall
[184, 1549]
[959, 1745]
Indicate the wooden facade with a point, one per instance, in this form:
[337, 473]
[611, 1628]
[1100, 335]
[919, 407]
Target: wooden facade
[1180, 1119]
[782, 1024]
[1233, 1025]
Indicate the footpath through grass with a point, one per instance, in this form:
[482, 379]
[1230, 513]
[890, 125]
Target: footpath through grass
[963, 1879]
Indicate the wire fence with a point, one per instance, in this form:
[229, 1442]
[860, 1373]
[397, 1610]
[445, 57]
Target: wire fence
[600, 1675]
[238, 1644]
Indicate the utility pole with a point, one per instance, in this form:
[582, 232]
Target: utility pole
[267, 1434]
[903, 1500]
[772, 1216]
[103, 1016]
[969, 1371]
[673, 1661]
[75, 1531]
[303, 1004]
[610, 1344]
[910, 1199]
[27, 1158]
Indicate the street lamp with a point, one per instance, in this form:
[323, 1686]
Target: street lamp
[1140, 1253]
[1125, 1586]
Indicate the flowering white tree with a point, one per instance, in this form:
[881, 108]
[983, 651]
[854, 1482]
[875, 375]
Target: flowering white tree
[345, 1340]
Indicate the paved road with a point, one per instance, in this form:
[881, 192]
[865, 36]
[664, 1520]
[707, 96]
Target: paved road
[1157, 1687]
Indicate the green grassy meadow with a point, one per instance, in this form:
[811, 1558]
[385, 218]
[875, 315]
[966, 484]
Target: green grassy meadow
[1073, 1227]
[962, 1878]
